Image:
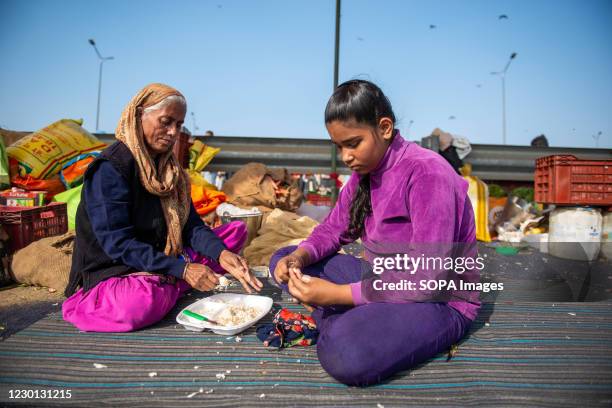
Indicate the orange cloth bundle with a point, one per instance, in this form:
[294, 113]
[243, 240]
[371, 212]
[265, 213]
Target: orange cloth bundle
[73, 171]
[205, 200]
[51, 185]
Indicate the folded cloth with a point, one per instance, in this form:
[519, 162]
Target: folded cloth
[206, 200]
[288, 329]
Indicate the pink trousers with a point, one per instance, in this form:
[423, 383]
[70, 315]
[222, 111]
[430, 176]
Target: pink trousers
[131, 302]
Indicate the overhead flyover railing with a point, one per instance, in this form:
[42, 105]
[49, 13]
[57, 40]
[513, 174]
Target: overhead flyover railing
[517, 163]
[489, 162]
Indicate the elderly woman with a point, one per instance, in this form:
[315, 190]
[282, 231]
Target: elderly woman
[136, 224]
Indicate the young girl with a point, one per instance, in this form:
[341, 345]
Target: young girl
[398, 193]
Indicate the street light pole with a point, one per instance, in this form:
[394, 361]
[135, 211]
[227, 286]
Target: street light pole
[193, 121]
[596, 137]
[408, 128]
[334, 151]
[503, 80]
[102, 60]
[502, 75]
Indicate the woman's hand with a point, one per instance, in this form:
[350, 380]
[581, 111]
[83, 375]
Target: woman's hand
[285, 264]
[315, 291]
[238, 267]
[200, 277]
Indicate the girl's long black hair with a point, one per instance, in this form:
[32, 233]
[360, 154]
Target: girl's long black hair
[364, 103]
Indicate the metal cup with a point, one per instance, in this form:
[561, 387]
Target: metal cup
[252, 221]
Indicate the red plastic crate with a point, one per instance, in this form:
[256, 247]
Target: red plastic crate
[564, 179]
[25, 225]
[317, 199]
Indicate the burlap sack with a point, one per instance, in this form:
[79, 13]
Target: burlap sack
[257, 185]
[9, 136]
[279, 229]
[45, 262]
[5, 259]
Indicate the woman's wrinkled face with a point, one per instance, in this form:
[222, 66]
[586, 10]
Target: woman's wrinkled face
[361, 147]
[161, 127]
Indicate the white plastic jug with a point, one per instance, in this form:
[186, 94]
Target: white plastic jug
[575, 233]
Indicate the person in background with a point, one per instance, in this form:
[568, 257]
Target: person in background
[539, 141]
[398, 193]
[453, 149]
[136, 222]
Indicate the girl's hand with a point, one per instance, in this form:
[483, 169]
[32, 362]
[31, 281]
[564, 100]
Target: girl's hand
[238, 267]
[285, 264]
[316, 291]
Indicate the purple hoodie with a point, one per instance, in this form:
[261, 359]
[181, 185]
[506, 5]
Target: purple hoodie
[417, 199]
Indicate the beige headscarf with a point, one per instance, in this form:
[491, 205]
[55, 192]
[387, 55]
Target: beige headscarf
[168, 180]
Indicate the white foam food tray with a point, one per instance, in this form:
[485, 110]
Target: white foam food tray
[213, 305]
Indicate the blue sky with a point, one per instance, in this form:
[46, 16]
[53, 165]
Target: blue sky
[265, 68]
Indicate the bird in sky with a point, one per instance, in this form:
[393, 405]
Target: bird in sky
[502, 17]
[432, 26]
[359, 39]
[451, 117]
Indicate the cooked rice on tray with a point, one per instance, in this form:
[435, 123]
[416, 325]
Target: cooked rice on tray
[236, 315]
